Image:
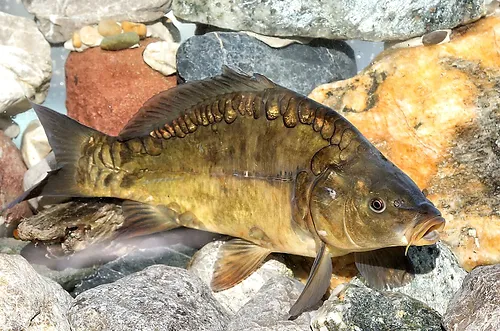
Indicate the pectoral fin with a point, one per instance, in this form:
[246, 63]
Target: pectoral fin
[237, 260]
[142, 219]
[317, 283]
[384, 268]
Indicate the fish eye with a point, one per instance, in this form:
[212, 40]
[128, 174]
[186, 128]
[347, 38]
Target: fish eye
[377, 205]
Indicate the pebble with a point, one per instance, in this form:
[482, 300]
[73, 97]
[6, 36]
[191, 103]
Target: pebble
[76, 40]
[138, 28]
[109, 28]
[161, 56]
[35, 145]
[90, 36]
[120, 41]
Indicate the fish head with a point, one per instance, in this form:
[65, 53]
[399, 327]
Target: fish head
[371, 204]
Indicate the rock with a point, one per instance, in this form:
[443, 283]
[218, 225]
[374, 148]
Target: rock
[34, 145]
[177, 255]
[104, 89]
[477, 305]
[120, 41]
[11, 246]
[9, 127]
[25, 64]
[268, 309]
[35, 174]
[138, 28]
[277, 42]
[361, 308]
[157, 298]
[90, 36]
[437, 276]
[232, 299]
[58, 21]
[73, 226]
[433, 111]
[161, 56]
[160, 31]
[109, 28]
[12, 170]
[360, 19]
[298, 67]
[29, 301]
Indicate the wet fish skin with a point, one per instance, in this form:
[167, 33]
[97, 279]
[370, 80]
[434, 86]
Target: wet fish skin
[245, 157]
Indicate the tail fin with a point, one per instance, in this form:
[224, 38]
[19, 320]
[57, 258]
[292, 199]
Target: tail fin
[66, 137]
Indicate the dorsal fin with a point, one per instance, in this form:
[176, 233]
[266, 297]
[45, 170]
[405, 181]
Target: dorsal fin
[170, 104]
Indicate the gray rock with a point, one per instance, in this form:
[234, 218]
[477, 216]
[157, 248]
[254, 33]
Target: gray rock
[11, 246]
[29, 301]
[25, 64]
[476, 307]
[362, 308]
[232, 299]
[177, 256]
[298, 67]
[438, 276]
[268, 309]
[59, 19]
[157, 298]
[344, 19]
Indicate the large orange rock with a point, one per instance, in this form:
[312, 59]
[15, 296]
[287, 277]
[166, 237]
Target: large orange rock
[104, 88]
[12, 170]
[435, 112]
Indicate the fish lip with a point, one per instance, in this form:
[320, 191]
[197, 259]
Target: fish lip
[426, 231]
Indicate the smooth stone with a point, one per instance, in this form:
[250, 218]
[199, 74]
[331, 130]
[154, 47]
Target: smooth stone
[109, 28]
[12, 170]
[476, 306]
[120, 41]
[160, 31]
[267, 310]
[138, 28]
[25, 64]
[34, 145]
[90, 36]
[161, 56]
[433, 111]
[345, 19]
[29, 301]
[298, 67]
[9, 127]
[57, 21]
[232, 299]
[105, 89]
[157, 298]
[361, 308]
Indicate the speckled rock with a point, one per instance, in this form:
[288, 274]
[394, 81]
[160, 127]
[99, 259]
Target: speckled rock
[159, 297]
[175, 255]
[59, 19]
[12, 170]
[434, 111]
[104, 89]
[346, 19]
[120, 41]
[235, 297]
[361, 308]
[25, 64]
[476, 307]
[29, 301]
[299, 67]
[268, 309]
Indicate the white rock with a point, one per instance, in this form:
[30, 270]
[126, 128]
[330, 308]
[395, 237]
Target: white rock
[278, 42]
[90, 36]
[161, 56]
[35, 145]
[68, 44]
[202, 265]
[29, 301]
[25, 64]
[160, 31]
[9, 127]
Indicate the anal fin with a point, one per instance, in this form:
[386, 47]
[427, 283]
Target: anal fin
[237, 260]
[384, 268]
[143, 219]
[317, 283]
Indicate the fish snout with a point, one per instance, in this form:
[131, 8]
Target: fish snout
[429, 223]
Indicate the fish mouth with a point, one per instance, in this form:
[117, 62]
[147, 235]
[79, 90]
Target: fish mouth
[426, 232]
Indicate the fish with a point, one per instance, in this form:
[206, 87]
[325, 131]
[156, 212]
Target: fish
[242, 156]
